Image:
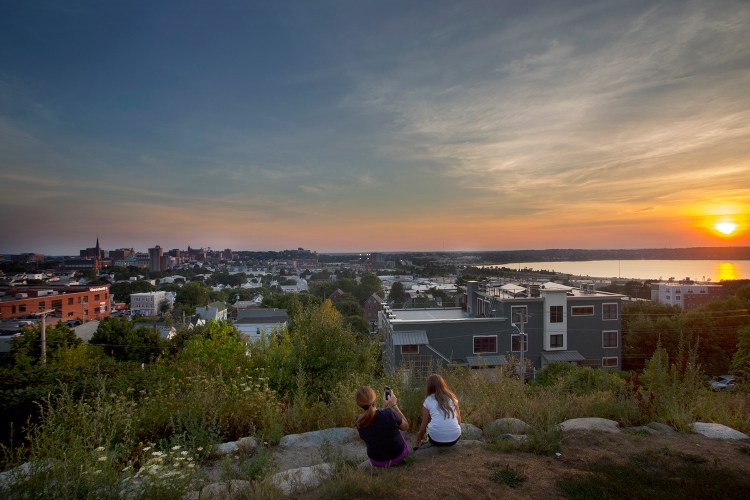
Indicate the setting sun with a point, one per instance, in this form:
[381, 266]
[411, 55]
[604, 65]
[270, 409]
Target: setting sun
[726, 227]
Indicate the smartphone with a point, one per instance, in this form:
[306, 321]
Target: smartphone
[387, 392]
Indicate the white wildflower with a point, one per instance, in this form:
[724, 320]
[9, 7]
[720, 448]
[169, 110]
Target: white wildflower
[200, 448]
[146, 448]
[97, 471]
[157, 454]
[101, 448]
[175, 448]
[102, 459]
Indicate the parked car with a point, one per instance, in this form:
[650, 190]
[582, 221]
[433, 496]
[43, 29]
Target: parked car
[73, 322]
[723, 382]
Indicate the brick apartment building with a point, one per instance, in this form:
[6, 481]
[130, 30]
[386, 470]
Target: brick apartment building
[75, 302]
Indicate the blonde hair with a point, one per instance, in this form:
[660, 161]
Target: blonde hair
[436, 385]
[365, 397]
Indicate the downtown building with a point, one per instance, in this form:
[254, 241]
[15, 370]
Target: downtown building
[84, 303]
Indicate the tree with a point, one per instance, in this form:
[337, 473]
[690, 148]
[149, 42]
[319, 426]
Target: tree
[193, 294]
[120, 339]
[121, 291]
[397, 294]
[741, 359]
[369, 284]
[27, 348]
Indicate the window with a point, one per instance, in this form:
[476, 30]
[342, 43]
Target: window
[42, 305]
[555, 314]
[555, 341]
[515, 342]
[519, 314]
[610, 362]
[410, 349]
[609, 338]
[582, 311]
[21, 308]
[70, 301]
[609, 311]
[485, 344]
[96, 297]
[86, 299]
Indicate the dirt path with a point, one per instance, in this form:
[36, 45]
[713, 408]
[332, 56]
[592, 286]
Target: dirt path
[467, 472]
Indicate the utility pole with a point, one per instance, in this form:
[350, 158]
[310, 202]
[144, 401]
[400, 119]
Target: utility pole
[522, 370]
[43, 331]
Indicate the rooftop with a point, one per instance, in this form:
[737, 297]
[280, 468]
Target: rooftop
[436, 314]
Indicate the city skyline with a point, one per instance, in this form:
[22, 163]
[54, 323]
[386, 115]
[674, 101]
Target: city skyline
[374, 126]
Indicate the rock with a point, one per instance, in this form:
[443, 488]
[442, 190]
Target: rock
[11, 477]
[336, 435]
[506, 426]
[247, 445]
[661, 428]
[219, 491]
[641, 429]
[225, 448]
[471, 432]
[717, 431]
[296, 480]
[590, 424]
[428, 450]
[243, 445]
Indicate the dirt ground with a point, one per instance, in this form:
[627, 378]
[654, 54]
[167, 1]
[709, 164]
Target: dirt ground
[466, 472]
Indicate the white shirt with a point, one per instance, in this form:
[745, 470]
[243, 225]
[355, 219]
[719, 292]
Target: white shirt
[441, 429]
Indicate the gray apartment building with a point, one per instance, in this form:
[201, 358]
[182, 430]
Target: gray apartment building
[559, 323]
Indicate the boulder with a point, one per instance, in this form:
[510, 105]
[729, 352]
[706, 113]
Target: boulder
[717, 431]
[661, 428]
[243, 445]
[590, 424]
[336, 435]
[428, 450]
[229, 490]
[471, 432]
[506, 426]
[296, 480]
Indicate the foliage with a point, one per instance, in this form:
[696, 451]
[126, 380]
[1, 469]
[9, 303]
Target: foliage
[741, 359]
[193, 294]
[122, 290]
[397, 294]
[670, 390]
[120, 339]
[27, 347]
[508, 476]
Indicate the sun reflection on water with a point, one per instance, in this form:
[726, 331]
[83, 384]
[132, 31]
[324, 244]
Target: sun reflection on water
[727, 271]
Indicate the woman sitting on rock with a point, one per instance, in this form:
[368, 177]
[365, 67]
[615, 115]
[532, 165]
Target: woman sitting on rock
[441, 416]
[381, 429]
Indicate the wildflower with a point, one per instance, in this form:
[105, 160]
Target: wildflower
[102, 459]
[97, 471]
[183, 453]
[101, 448]
[157, 454]
[200, 448]
[175, 448]
[191, 465]
[146, 448]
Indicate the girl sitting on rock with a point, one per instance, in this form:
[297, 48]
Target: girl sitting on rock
[441, 416]
[381, 429]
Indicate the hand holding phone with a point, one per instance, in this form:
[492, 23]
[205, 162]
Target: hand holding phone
[388, 393]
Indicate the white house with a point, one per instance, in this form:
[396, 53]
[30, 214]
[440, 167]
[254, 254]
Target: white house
[214, 311]
[147, 303]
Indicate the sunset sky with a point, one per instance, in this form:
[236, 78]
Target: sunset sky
[374, 125]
